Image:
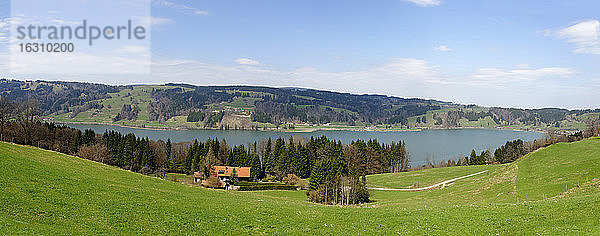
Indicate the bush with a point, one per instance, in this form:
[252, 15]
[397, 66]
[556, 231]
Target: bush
[270, 178]
[254, 186]
[213, 182]
[291, 179]
[245, 183]
[302, 184]
[146, 170]
[95, 152]
[266, 187]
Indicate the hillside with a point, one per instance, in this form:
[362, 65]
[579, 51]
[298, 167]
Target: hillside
[50, 193]
[251, 107]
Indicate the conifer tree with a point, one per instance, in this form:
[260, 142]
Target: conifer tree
[473, 158]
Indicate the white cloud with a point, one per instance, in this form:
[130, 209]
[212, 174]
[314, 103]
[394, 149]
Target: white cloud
[78, 64]
[584, 35]
[497, 76]
[181, 7]
[442, 48]
[160, 21]
[154, 21]
[56, 21]
[247, 61]
[5, 28]
[425, 3]
[133, 49]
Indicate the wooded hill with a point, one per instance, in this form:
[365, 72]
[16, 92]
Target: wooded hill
[252, 107]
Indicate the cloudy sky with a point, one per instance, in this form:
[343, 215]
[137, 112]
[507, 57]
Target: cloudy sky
[527, 54]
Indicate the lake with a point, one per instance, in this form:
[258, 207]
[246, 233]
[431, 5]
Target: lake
[437, 144]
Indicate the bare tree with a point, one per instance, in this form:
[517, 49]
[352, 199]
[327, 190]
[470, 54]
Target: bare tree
[96, 152]
[27, 114]
[7, 111]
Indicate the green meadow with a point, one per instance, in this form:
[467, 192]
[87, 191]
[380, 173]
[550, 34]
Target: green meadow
[555, 190]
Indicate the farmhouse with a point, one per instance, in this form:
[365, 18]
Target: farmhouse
[225, 173]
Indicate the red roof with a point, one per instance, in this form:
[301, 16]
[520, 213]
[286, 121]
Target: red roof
[241, 172]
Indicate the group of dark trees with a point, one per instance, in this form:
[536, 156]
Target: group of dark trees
[510, 151]
[128, 112]
[475, 159]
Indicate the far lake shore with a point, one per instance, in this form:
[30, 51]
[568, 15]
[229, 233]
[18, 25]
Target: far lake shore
[301, 130]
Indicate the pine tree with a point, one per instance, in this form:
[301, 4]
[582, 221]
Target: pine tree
[195, 156]
[473, 158]
[189, 158]
[168, 151]
[255, 170]
[268, 157]
[129, 148]
[303, 164]
[279, 149]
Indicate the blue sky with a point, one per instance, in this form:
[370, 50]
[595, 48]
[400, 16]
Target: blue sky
[495, 53]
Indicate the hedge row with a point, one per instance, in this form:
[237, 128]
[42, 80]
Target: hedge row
[246, 183]
[266, 187]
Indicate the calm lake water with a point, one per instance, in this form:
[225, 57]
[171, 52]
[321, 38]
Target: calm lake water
[437, 144]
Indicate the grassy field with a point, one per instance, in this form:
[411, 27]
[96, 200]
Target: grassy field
[49, 193]
[425, 177]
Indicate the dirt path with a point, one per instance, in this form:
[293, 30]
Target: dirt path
[428, 187]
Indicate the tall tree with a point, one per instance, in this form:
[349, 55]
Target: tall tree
[168, 151]
[28, 111]
[268, 157]
[7, 111]
[473, 158]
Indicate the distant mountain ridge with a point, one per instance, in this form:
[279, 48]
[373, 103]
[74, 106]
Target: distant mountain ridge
[258, 107]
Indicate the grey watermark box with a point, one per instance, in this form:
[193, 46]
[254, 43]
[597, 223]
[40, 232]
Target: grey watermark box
[80, 37]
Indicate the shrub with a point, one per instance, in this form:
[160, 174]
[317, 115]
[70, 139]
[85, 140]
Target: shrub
[146, 170]
[254, 186]
[266, 187]
[95, 152]
[213, 182]
[291, 179]
[270, 178]
[302, 184]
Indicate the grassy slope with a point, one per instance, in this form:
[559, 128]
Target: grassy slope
[46, 192]
[423, 178]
